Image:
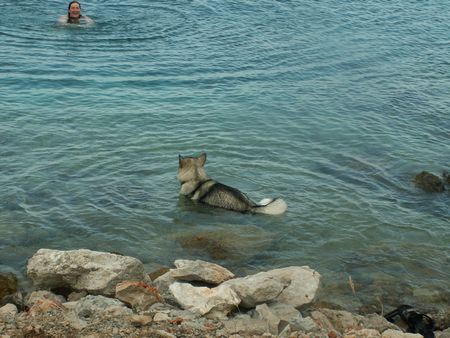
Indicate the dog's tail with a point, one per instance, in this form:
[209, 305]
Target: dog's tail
[270, 206]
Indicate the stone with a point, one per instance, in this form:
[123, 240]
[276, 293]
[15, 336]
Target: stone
[201, 271]
[8, 284]
[245, 325]
[292, 285]
[138, 295]
[33, 297]
[158, 273]
[377, 322]
[163, 283]
[44, 305]
[140, 320]
[91, 306]
[161, 317]
[343, 320]
[306, 324]
[74, 296]
[95, 272]
[214, 302]
[362, 333]
[429, 182]
[263, 312]
[7, 312]
[399, 334]
[285, 311]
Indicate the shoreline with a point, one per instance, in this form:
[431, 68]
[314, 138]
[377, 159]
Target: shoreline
[100, 294]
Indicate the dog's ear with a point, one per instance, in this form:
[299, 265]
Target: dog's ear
[180, 160]
[202, 159]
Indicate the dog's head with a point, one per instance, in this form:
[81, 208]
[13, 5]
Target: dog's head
[191, 168]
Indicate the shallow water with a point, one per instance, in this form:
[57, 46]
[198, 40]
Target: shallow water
[333, 106]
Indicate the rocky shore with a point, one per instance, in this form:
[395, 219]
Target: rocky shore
[83, 293]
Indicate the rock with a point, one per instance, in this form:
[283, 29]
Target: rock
[343, 320]
[161, 317]
[198, 270]
[74, 296]
[399, 334]
[163, 283]
[158, 273]
[228, 241]
[14, 298]
[140, 320]
[43, 305]
[362, 333]
[306, 324]
[8, 284]
[263, 312]
[138, 295]
[214, 302]
[90, 306]
[377, 322]
[33, 297]
[245, 325]
[429, 182]
[322, 321]
[95, 272]
[443, 334]
[292, 285]
[285, 311]
[7, 312]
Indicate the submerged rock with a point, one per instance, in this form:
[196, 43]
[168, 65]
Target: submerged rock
[429, 182]
[95, 272]
[8, 284]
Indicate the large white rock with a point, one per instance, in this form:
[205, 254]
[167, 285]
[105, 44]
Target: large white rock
[295, 285]
[201, 271]
[213, 302]
[95, 272]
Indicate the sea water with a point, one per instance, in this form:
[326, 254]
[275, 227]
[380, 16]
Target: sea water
[334, 106]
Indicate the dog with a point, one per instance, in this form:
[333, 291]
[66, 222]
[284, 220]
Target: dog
[196, 185]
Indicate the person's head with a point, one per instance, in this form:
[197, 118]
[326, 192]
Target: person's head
[74, 10]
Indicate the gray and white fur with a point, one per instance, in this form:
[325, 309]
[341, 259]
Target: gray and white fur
[196, 185]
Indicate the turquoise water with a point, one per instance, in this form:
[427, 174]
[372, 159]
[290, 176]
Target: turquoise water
[334, 106]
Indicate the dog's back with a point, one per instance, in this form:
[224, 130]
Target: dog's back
[196, 185]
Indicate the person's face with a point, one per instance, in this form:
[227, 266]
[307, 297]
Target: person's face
[74, 10]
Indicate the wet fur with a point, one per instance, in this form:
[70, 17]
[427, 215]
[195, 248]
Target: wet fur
[196, 185]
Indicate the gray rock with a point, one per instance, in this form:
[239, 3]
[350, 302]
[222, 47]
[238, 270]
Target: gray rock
[214, 302]
[198, 270]
[292, 285]
[95, 272]
[399, 334]
[263, 312]
[90, 306]
[245, 325]
[377, 322]
[33, 297]
[138, 295]
[8, 312]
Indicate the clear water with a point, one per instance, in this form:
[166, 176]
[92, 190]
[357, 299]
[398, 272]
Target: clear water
[334, 106]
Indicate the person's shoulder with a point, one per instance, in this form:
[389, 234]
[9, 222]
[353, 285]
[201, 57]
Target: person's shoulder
[88, 19]
[62, 19]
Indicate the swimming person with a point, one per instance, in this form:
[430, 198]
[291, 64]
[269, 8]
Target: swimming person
[74, 15]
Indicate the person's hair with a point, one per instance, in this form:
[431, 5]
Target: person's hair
[68, 8]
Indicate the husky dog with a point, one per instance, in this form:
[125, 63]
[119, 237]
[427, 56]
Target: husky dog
[196, 185]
